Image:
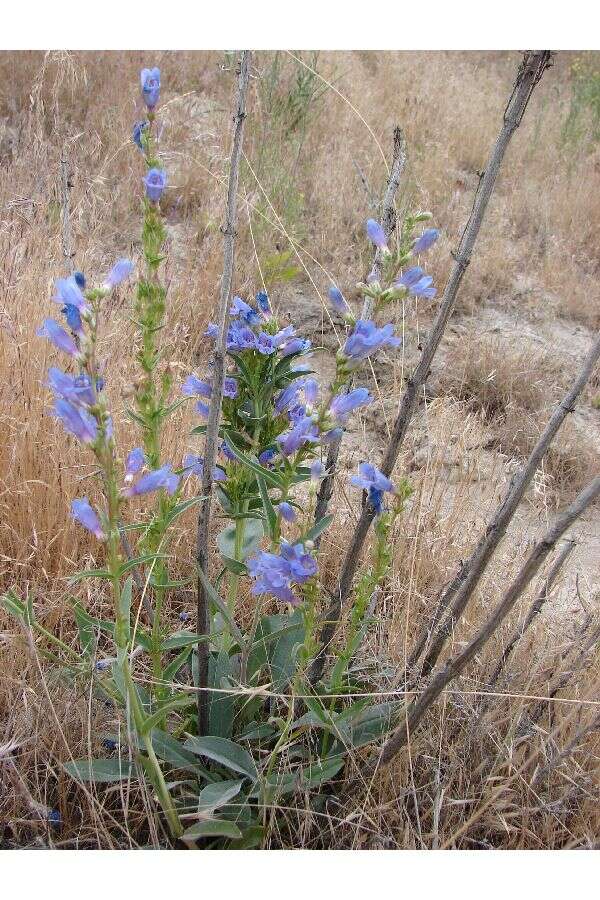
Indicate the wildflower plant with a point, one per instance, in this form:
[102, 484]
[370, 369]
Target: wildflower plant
[276, 422]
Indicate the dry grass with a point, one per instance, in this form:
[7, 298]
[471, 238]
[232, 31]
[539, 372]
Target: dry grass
[464, 783]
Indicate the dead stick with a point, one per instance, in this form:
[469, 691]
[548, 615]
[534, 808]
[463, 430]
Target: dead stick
[388, 222]
[65, 203]
[530, 71]
[458, 593]
[212, 428]
[534, 610]
[455, 666]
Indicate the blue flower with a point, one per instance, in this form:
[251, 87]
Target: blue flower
[212, 330]
[375, 483]
[296, 345]
[109, 744]
[367, 338]
[311, 391]
[79, 279]
[155, 182]
[119, 272]
[69, 291]
[154, 481]
[76, 421]
[284, 335]
[410, 277]
[58, 336]
[203, 409]
[316, 470]
[334, 434]
[244, 311]
[194, 465]
[227, 451]
[337, 300]
[262, 301]
[73, 319]
[286, 511]
[427, 239]
[376, 234]
[275, 573]
[287, 397]
[193, 386]
[267, 456]
[230, 388]
[83, 513]
[423, 288]
[305, 430]
[77, 389]
[184, 616]
[343, 404]
[54, 818]
[150, 82]
[265, 343]
[138, 130]
[240, 337]
[135, 461]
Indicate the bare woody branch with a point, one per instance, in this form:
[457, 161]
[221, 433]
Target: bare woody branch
[534, 610]
[212, 428]
[456, 665]
[388, 222]
[458, 593]
[530, 71]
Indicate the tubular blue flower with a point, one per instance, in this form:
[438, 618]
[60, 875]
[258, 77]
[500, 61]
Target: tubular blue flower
[150, 82]
[119, 272]
[286, 511]
[410, 277]
[284, 335]
[138, 130]
[73, 319]
[212, 330]
[372, 277]
[262, 301]
[316, 470]
[288, 396]
[193, 386]
[135, 461]
[267, 457]
[296, 345]
[337, 300]
[427, 239]
[194, 465]
[227, 451]
[69, 291]
[83, 513]
[375, 483]
[367, 338]
[54, 818]
[155, 182]
[230, 388]
[302, 565]
[244, 311]
[154, 481]
[376, 234]
[304, 431]
[423, 288]
[240, 337]
[311, 390]
[203, 409]
[76, 389]
[58, 336]
[109, 744]
[296, 413]
[184, 616]
[334, 434]
[265, 343]
[76, 421]
[79, 279]
[272, 575]
[343, 404]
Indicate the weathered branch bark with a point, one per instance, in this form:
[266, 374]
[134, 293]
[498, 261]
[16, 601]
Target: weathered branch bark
[388, 222]
[458, 593]
[530, 71]
[455, 666]
[534, 610]
[212, 428]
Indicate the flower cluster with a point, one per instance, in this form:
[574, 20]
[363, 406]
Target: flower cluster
[276, 573]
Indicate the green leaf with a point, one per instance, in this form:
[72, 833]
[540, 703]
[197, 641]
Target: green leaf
[85, 629]
[214, 597]
[252, 837]
[221, 706]
[175, 665]
[100, 770]
[180, 509]
[140, 561]
[318, 528]
[89, 573]
[302, 779]
[212, 828]
[182, 639]
[178, 702]
[218, 794]
[253, 534]
[252, 463]
[126, 604]
[226, 752]
[275, 644]
[172, 751]
[267, 505]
